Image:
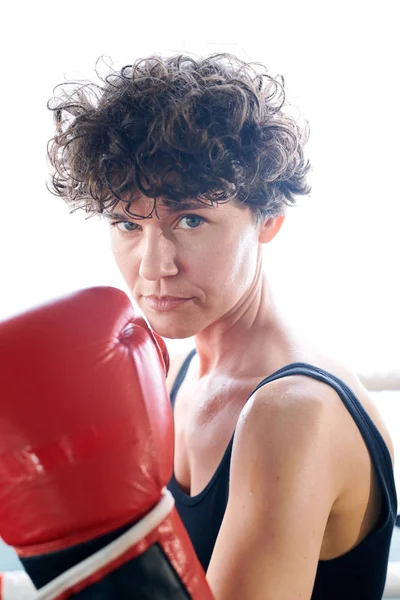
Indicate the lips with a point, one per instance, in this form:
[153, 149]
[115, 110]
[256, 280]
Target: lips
[165, 303]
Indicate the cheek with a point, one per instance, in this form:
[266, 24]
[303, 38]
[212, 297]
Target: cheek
[241, 257]
[125, 260]
[230, 263]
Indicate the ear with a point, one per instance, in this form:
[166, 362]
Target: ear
[269, 228]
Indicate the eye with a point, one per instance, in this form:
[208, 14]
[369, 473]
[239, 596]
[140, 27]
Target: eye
[125, 226]
[191, 221]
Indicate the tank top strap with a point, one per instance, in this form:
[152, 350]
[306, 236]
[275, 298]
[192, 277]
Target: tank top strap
[373, 439]
[181, 376]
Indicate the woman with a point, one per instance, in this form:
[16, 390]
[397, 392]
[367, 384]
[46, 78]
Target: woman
[283, 468]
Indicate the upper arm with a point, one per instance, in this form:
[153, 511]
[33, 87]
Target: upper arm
[281, 493]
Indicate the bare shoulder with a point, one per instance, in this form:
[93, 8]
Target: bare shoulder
[285, 410]
[292, 425]
[296, 406]
[284, 452]
[281, 492]
[176, 360]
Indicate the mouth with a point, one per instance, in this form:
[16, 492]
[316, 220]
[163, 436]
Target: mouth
[165, 303]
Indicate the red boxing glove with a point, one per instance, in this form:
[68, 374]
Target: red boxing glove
[86, 450]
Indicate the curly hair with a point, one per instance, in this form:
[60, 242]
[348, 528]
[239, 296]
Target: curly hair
[211, 130]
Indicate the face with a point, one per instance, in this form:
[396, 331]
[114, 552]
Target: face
[188, 268]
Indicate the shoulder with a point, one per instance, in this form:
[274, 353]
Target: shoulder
[281, 493]
[287, 424]
[289, 403]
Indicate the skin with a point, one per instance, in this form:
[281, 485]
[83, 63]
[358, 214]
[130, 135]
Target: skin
[296, 495]
[216, 262]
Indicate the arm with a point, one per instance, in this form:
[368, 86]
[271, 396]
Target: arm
[282, 489]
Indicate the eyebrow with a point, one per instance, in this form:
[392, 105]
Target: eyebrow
[182, 206]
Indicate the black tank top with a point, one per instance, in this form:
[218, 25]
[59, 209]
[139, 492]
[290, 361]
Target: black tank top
[359, 574]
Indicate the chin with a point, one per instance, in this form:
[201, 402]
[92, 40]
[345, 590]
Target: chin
[172, 330]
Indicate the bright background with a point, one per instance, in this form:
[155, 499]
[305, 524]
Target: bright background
[335, 263]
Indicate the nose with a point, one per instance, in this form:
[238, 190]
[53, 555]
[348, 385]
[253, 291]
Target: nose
[158, 258]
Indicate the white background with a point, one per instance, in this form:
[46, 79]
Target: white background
[335, 263]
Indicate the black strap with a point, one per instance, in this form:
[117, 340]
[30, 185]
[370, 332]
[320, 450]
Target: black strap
[181, 376]
[373, 439]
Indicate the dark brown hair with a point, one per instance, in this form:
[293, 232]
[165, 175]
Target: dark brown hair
[211, 129]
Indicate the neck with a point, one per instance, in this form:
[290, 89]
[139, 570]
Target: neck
[232, 343]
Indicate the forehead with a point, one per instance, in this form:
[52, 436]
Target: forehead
[144, 207]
